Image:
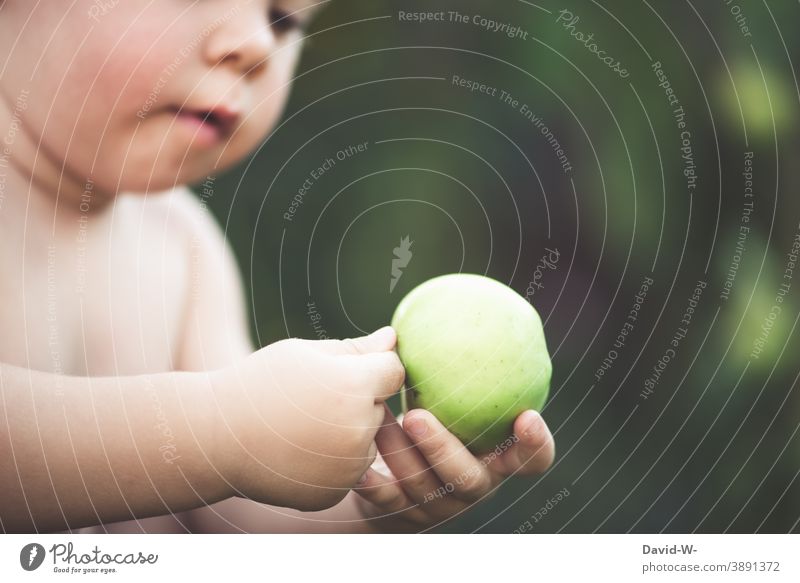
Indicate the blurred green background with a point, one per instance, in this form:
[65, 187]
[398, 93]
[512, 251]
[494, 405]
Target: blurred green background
[477, 186]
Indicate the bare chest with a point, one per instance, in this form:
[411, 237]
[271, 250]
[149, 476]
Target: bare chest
[112, 304]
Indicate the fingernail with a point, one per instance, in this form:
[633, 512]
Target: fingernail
[416, 427]
[363, 479]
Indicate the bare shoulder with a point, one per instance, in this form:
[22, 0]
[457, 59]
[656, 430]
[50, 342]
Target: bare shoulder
[216, 331]
[193, 221]
[181, 222]
[174, 220]
[186, 214]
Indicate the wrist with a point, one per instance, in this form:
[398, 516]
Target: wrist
[215, 435]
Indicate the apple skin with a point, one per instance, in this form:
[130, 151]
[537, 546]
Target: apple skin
[475, 356]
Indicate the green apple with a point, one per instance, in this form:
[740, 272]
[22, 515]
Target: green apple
[475, 356]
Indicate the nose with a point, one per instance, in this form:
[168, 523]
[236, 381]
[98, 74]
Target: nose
[244, 42]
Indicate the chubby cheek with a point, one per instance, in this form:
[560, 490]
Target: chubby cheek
[94, 86]
[94, 112]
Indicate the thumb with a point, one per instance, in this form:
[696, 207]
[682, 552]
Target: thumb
[381, 340]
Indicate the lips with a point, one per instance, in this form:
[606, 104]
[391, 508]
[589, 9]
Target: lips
[209, 125]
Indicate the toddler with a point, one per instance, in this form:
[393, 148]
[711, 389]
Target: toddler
[131, 398]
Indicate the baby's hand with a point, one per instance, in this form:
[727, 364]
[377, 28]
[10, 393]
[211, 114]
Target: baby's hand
[424, 475]
[300, 417]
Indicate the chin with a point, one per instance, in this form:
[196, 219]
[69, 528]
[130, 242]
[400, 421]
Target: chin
[155, 162]
[165, 172]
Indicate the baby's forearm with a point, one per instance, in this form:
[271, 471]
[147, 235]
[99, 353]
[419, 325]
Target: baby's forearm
[79, 451]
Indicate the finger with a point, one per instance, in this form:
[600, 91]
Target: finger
[381, 372]
[378, 417]
[388, 496]
[405, 462]
[372, 453]
[462, 473]
[379, 465]
[533, 453]
[381, 340]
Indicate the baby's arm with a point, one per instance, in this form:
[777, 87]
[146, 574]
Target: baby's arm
[412, 467]
[216, 336]
[290, 425]
[78, 451]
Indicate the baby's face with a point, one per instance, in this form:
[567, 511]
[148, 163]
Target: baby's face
[121, 90]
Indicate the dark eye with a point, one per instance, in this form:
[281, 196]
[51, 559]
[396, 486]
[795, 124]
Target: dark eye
[283, 22]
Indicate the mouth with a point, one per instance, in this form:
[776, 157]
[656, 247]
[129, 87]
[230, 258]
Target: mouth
[210, 126]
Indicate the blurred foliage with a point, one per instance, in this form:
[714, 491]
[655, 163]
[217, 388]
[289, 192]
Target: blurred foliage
[478, 188]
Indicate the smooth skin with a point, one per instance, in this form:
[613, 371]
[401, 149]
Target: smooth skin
[131, 397]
